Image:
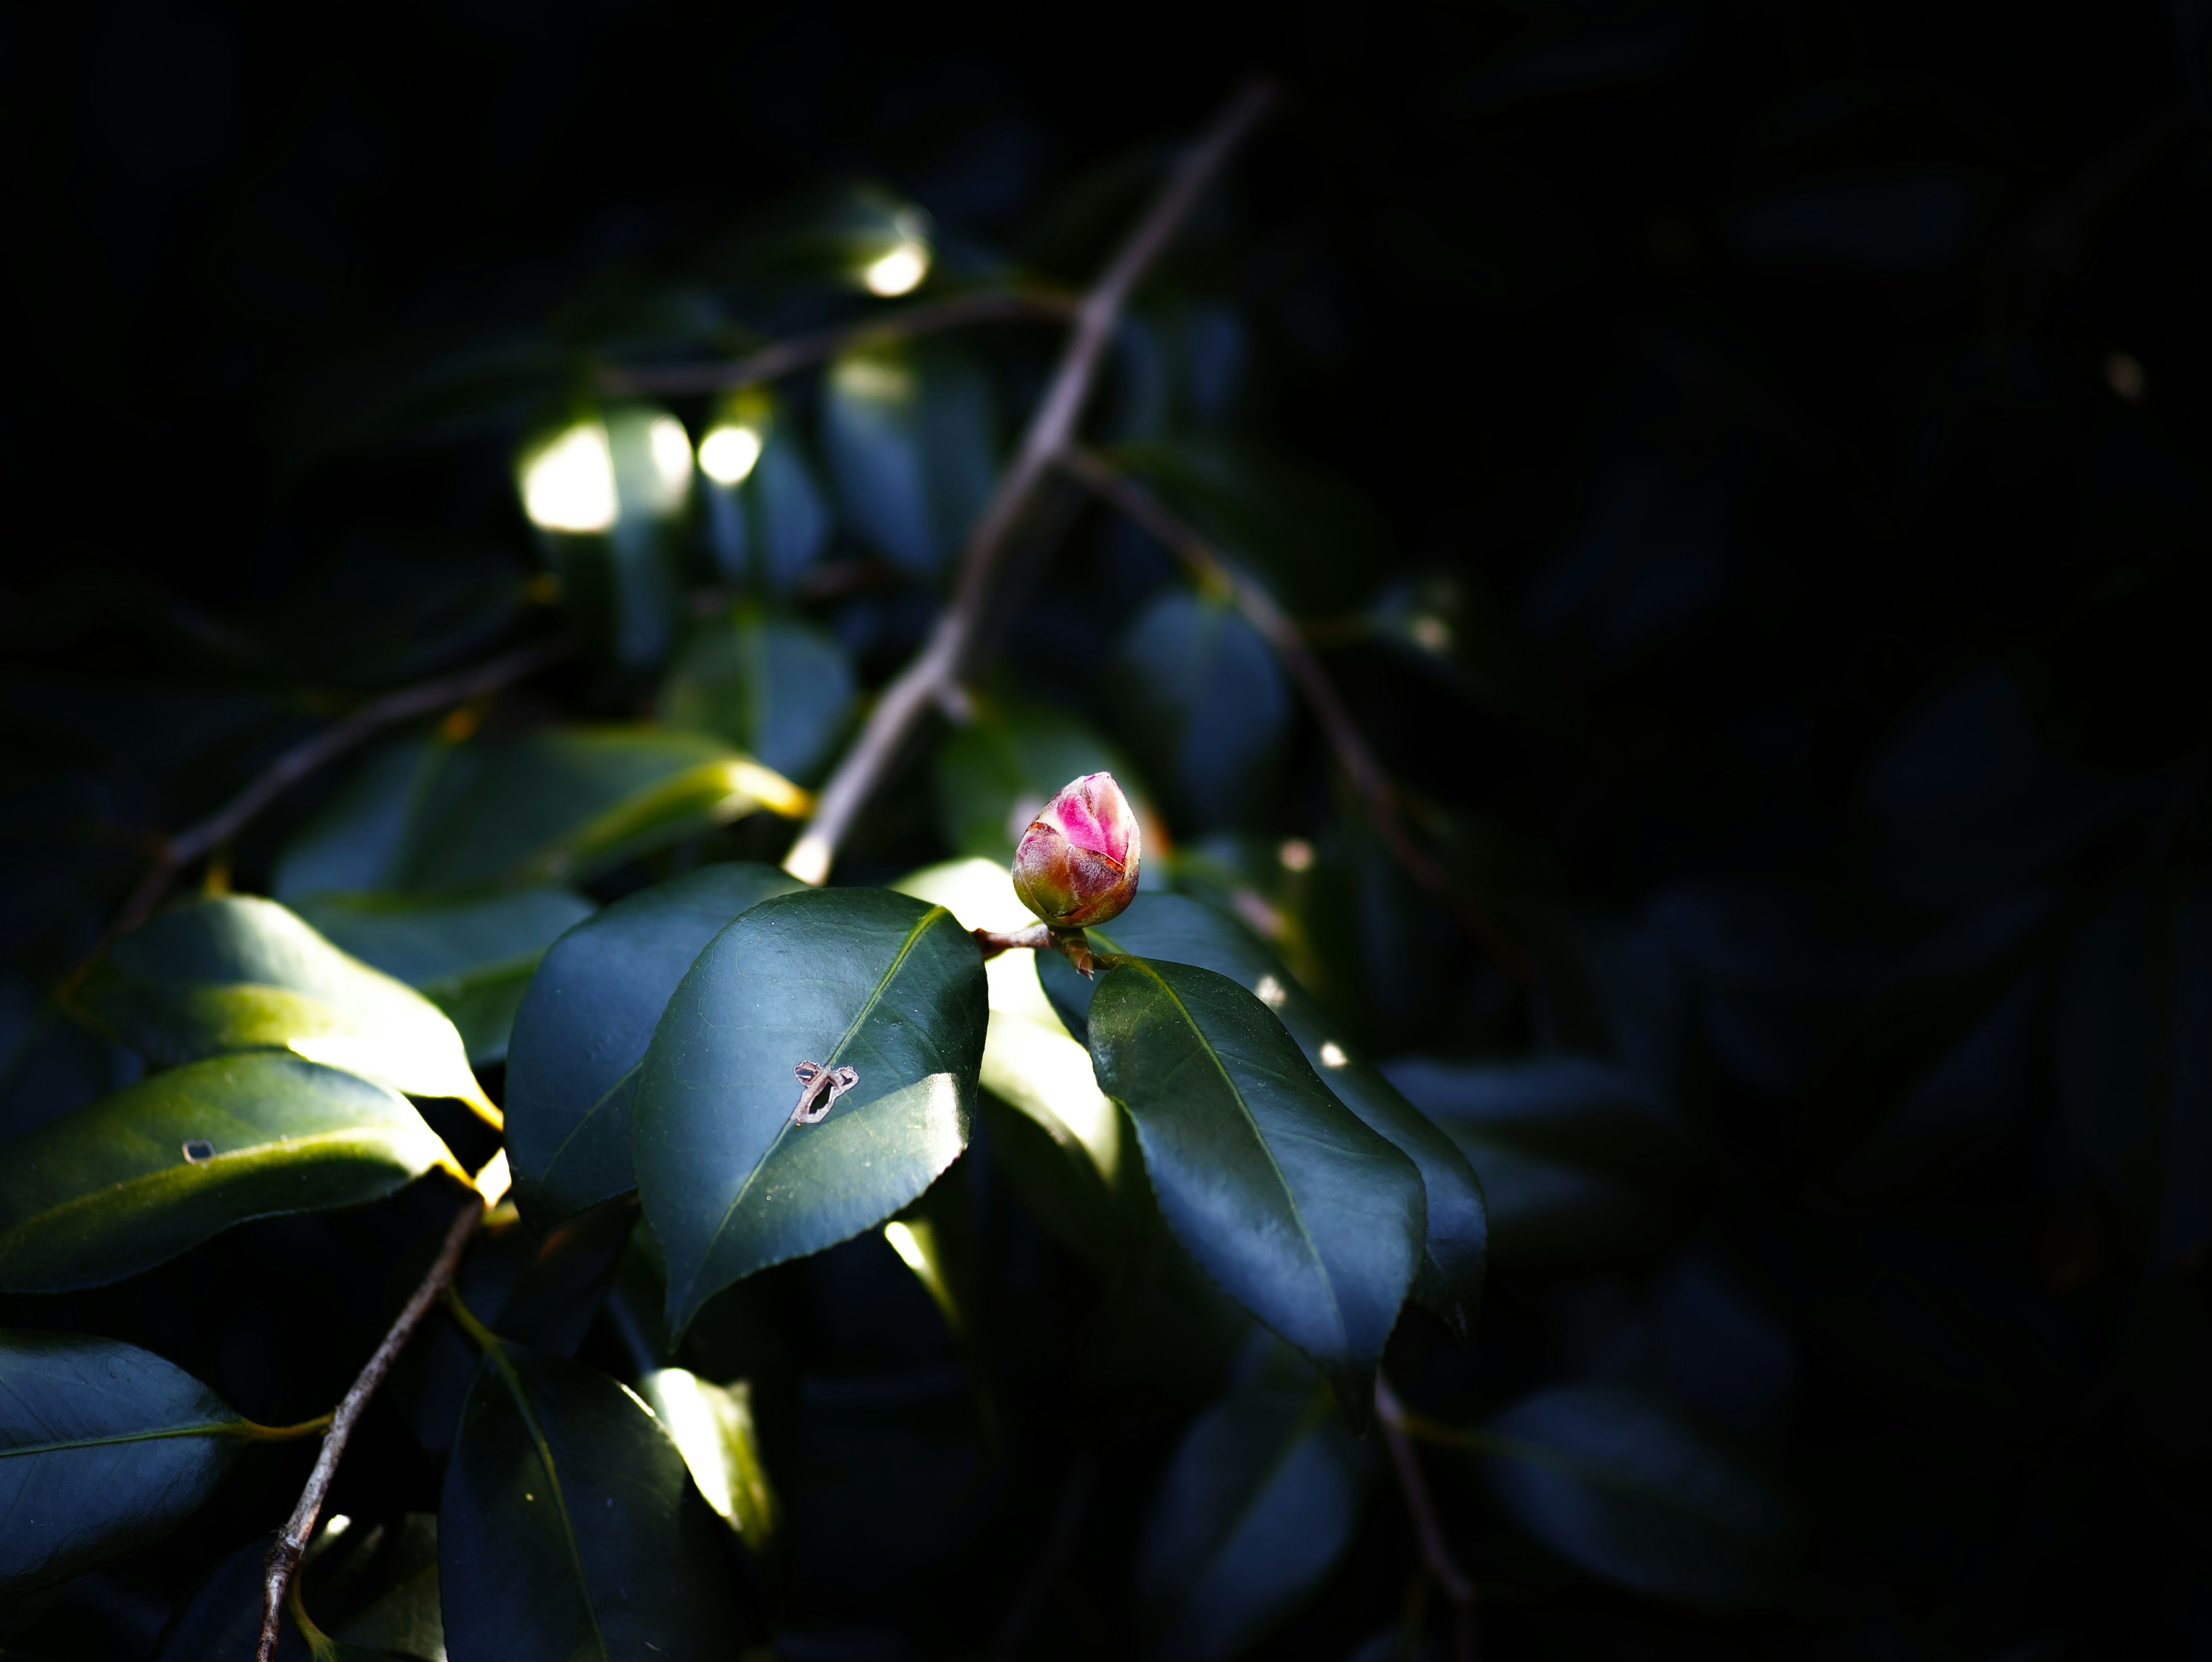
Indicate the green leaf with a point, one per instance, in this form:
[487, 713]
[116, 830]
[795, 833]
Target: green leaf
[472, 959]
[771, 684]
[238, 973]
[907, 428]
[584, 1025]
[1169, 927]
[858, 977]
[996, 773]
[1202, 701]
[1307, 1218]
[125, 1183]
[2133, 1043]
[1066, 1147]
[1259, 1501]
[1633, 1494]
[570, 1528]
[103, 1447]
[558, 805]
[713, 1426]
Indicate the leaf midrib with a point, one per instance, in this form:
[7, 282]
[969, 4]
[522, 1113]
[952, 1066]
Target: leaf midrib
[496, 1355]
[238, 1428]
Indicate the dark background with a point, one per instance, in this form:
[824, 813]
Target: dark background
[1796, 409]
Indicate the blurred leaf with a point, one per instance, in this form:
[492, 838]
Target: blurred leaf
[2132, 1040]
[1307, 1218]
[907, 429]
[713, 1426]
[1200, 700]
[121, 1184]
[103, 1447]
[1885, 226]
[559, 805]
[995, 774]
[622, 585]
[768, 525]
[570, 1526]
[584, 1025]
[1632, 1494]
[1609, 49]
[1065, 1145]
[1169, 927]
[50, 1064]
[830, 235]
[473, 959]
[858, 977]
[1259, 1501]
[1576, 1158]
[770, 685]
[238, 973]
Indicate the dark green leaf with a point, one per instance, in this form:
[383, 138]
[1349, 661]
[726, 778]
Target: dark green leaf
[1259, 1501]
[1307, 1218]
[996, 773]
[1632, 1493]
[2133, 1043]
[122, 1183]
[770, 685]
[238, 973]
[570, 1528]
[103, 1446]
[1200, 700]
[584, 1025]
[1167, 927]
[858, 977]
[471, 957]
[907, 430]
[559, 805]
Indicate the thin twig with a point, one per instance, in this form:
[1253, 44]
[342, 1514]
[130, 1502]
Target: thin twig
[1378, 794]
[934, 676]
[930, 316]
[284, 1557]
[1051, 1562]
[310, 754]
[1436, 1552]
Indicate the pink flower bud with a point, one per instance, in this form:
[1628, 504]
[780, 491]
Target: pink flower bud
[1077, 864]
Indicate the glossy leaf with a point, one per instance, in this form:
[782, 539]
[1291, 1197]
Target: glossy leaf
[1307, 1218]
[1258, 1502]
[584, 1025]
[472, 959]
[239, 973]
[558, 805]
[1062, 1142]
[570, 1528]
[1630, 1492]
[2133, 1044]
[1200, 700]
[1170, 928]
[842, 978]
[713, 1426]
[907, 431]
[770, 685]
[994, 774]
[103, 1447]
[122, 1183]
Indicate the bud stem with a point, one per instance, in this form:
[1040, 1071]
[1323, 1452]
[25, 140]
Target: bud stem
[1071, 944]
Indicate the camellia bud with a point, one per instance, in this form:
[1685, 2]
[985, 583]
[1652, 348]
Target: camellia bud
[1077, 864]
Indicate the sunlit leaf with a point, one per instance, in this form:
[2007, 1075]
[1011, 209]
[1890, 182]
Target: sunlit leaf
[103, 1447]
[713, 1426]
[122, 1183]
[238, 973]
[1258, 1502]
[584, 1025]
[570, 1527]
[840, 978]
[1310, 1220]
[472, 959]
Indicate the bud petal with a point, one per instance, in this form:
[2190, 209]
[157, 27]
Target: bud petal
[1077, 864]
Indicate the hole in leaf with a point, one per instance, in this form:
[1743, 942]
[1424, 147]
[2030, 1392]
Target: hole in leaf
[197, 1150]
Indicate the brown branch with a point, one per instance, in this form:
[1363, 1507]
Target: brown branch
[1428, 1528]
[326, 746]
[934, 676]
[284, 1557]
[1378, 794]
[771, 363]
